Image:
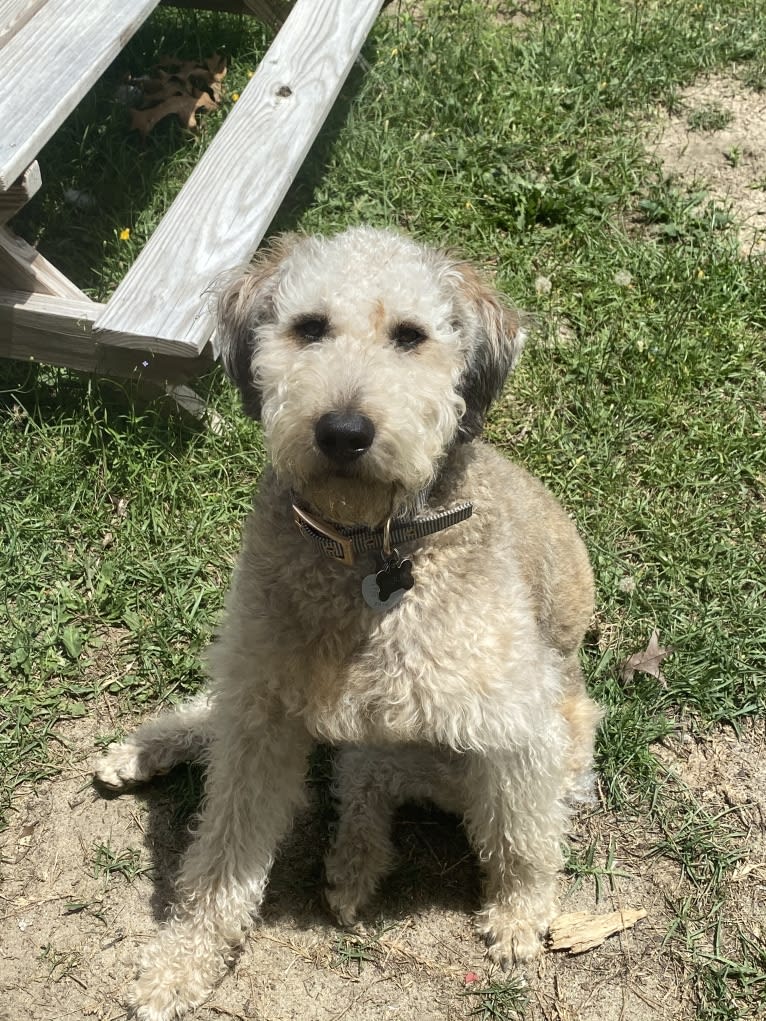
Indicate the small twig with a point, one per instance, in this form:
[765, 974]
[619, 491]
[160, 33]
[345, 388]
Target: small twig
[225, 1011]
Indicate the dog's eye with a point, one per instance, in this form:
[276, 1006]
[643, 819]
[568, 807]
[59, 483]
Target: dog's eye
[407, 335]
[311, 328]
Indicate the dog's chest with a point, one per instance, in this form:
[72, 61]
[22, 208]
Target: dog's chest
[403, 674]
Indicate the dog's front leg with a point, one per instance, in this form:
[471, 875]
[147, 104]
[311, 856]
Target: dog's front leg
[516, 819]
[254, 786]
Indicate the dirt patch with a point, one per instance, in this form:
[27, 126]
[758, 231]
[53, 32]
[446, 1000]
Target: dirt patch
[717, 141]
[71, 934]
[727, 776]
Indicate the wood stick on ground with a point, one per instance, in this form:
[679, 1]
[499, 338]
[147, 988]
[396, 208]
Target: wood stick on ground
[579, 931]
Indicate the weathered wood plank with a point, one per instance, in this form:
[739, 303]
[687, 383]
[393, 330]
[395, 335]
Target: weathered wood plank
[23, 268]
[45, 328]
[225, 207]
[20, 193]
[14, 14]
[50, 63]
[59, 331]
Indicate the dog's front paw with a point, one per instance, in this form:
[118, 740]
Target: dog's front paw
[169, 985]
[511, 937]
[122, 765]
[154, 999]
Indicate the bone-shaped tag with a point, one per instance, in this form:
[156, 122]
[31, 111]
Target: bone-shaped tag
[386, 588]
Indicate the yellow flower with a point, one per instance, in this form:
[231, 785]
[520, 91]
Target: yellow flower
[125, 234]
[250, 74]
[234, 97]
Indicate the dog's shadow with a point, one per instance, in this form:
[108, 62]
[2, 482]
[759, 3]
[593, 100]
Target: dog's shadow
[435, 866]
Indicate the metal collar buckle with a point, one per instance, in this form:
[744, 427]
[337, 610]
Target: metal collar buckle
[333, 542]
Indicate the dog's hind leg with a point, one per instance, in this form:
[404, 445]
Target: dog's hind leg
[582, 717]
[157, 745]
[370, 784]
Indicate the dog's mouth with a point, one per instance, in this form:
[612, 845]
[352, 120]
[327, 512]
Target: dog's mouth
[355, 480]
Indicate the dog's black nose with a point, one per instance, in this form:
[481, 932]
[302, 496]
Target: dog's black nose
[344, 436]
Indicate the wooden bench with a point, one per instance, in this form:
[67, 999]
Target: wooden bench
[157, 326]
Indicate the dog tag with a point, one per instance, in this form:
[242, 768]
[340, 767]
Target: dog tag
[386, 588]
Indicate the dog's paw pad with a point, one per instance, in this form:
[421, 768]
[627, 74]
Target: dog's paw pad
[120, 767]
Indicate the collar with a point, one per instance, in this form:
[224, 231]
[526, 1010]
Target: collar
[342, 543]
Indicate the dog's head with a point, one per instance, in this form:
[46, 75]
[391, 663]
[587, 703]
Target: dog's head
[366, 356]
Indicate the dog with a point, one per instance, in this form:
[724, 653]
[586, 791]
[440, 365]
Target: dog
[403, 593]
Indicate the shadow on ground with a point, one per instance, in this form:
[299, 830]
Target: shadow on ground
[435, 867]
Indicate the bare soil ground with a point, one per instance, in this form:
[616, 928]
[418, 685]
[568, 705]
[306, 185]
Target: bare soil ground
[70, 938]
[729, 161]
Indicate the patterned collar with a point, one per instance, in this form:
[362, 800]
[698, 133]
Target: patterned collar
[343, 543]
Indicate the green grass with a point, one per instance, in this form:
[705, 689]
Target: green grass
[641, 402]
[130, 184]
[107, 862]
[709, 117]
[355, 952]
[498, 1001]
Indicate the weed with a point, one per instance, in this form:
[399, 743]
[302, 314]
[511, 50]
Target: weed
[354, 951]
[92, 908]
[108, 863]
[710, 117]
[582, 864]
[61, 963]
[754, 76]
[683, 215]
[102, 741]
[499, 1001]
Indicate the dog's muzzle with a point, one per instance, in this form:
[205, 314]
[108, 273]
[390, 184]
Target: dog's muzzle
[343, 436]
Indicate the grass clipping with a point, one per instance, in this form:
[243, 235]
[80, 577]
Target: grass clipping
[176, 87]
[579, 931]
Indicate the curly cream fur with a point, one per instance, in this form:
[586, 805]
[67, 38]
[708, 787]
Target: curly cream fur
[468, 692]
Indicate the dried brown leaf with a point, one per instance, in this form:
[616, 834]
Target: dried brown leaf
[183, 106]
[151, 85]
[579, 931]
[216, 65]
[185, 72]
[648, 661]
[205, 102]
[180, 88]
[163, 90]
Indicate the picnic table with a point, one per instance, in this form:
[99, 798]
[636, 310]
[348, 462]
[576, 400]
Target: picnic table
[158, 324]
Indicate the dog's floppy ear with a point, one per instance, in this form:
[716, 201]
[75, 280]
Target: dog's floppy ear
[244, 304]
[498, 343]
